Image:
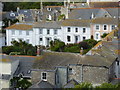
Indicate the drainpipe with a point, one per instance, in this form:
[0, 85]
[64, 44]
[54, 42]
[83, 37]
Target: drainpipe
[82, 73]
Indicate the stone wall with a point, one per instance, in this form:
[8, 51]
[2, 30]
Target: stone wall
[36, 76]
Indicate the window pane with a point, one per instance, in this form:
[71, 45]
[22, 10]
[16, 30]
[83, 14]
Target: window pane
[40, 31]
[76, 29]
[68, 29]
[68, 38]
[48, 31]
[55, 31]
[84, 30]
[27, 32]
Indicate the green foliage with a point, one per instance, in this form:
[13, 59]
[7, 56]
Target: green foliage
[104, 35]
[84, 85]
[61, 17]
[18, 82]
[14, 53]
[89, 86]
[20, 47]
[6, 21]
[8, 6]
[57, 45]
[91, 42]
[74, 48]
[107, 86]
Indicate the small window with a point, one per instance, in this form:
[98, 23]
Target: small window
[21, 39]
[48, 31]
[84, 38]
[76, 29]
[68, 38]
[55, 31]
[13, 39]
[69, 29]
[27, 32]
[97, 36]
[113, 27]
[27, 40]
[105, 27]
[40, 39]
[70, 70]
[44, 76]
[84, 30]
[118, 63]
[40, 31]
[13, 32]
[20, 32]
[97, 27]
[49, 9]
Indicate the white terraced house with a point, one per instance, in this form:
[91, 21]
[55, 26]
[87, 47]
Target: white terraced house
[41, 33]
[68, 31]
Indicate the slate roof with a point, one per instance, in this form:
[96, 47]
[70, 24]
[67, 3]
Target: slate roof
[7, 15]
[42, 85]
[5, 77]
[85, 13]
[105, 21]
[82, 13]
[103, 56]
[25, 63]
[71, 84]
[20, 27]
[27, 13]
[48, 24]
[71, 22]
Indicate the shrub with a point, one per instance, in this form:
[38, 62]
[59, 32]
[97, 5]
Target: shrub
[104, 35]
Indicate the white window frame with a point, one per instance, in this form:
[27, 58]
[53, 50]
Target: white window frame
[112, 27]
[83, 36]
[55, 31]
[49, 9]
[96, 27]
[68, 29]
[40, 31]
[13, 32]
[43, 76]
[28, 41]
[48, 30]
[106, 27]
[96, 36]
[67, 38]
[27, 33]
[20, 32]
[76, 30]
[83, 30]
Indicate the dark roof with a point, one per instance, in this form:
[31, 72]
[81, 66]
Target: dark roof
[25, 63]
[27, 13]
[71, 84]
[86, 13]
[42, 84]
[5, 77]
[82, 13]
[105, 21]
[72, 22]
[8, 15]
[48, 24]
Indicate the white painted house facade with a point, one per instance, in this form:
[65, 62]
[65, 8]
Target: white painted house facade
[68, 31]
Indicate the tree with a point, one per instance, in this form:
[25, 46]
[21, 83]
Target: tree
[20, 47]
[104, 35]
[18, 82]
[57, 45]
[84, 85]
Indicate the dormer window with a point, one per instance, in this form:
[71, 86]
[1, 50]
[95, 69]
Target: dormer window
[44, 76]
[49, 9]
[12, 14]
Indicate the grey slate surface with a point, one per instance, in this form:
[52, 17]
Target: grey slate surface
[42, 85]
[25, 64]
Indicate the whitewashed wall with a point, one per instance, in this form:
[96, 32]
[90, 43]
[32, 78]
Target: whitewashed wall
[87, 34]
